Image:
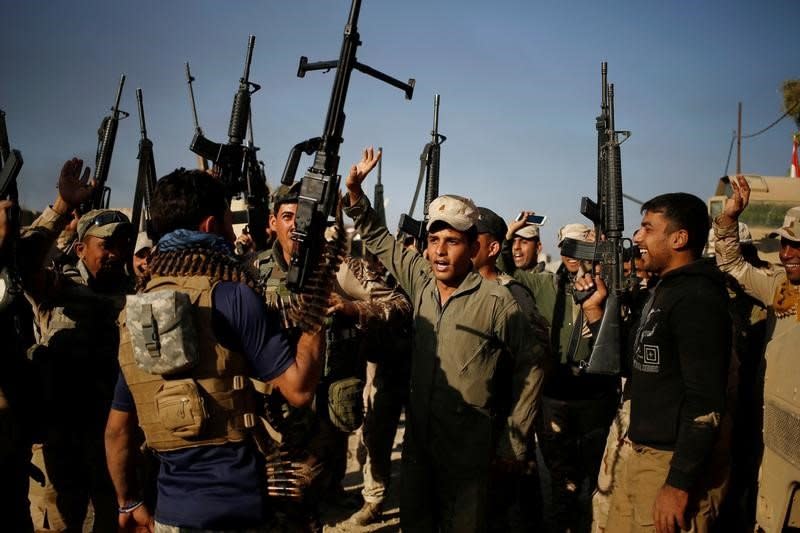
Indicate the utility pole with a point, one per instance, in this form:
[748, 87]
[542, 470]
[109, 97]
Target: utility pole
[739, 143]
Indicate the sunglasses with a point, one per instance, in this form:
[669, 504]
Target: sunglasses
[103, 219]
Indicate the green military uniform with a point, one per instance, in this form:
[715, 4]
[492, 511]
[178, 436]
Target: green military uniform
[450, 435]
[577, 408]
[77, 355]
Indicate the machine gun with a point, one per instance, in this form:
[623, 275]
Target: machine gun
[107, 137]
[429, 173]
[202, 162]
[612, 252]
[146, 175]
[228, 157]
[10, 166]
[319, 191]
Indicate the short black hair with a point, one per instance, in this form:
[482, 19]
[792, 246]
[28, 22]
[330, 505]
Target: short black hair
[683, 211]
[183, 198]
[471, 234]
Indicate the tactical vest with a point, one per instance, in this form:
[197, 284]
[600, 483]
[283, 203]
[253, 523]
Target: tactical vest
[222, 402]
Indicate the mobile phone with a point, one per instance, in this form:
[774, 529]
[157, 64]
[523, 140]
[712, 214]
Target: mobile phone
[537, 220]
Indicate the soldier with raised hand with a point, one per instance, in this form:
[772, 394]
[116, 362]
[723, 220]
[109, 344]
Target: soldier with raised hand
[76, 309]
[464, 328]
[779, 291]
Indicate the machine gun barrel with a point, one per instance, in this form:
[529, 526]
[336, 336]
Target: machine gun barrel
[105, 149]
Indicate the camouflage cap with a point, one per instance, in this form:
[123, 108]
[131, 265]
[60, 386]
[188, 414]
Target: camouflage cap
[528, 231]
[457, 212]
[286, 194]
[103, 223]
[578, 232]
[491, 223]
[791, 226]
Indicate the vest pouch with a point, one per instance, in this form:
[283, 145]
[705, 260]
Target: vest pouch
[180, 408]
[346, 404]
[161, 325]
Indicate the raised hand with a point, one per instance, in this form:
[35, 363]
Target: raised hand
[73, 188]
[739, 198]
[359, 171]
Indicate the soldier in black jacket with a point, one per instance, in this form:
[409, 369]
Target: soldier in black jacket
[679, 372]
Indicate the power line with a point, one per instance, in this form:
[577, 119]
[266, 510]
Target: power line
[759, 132]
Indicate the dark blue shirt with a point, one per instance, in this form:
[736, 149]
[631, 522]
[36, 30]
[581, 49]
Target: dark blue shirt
[222, 486]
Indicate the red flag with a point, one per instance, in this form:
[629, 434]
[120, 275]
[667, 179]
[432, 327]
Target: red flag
[794, 171]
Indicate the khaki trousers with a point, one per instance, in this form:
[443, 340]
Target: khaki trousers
[644, 474]
[618, 449]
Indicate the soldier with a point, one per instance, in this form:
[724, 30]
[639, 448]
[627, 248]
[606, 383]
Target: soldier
[388, 352]
[76, 309]
[516, 500]
[577, 408]
[361, 302]
[674, 476]
[18, 386]
[780, 292]
[526, 247]
[464, 327]
[188, 346]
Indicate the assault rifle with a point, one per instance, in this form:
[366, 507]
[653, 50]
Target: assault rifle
[202, 162]
[612, 252]
[380, 210]
[10, 166]
[319, 191]
[256, 193]
[107, 137]
[429, 172]
[146, 175]
[228, 157]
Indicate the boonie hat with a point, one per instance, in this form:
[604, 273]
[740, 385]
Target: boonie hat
[579, 232]
[102, 223]
[456, 211]
[528, 231]
[491, 223]
[791, 226]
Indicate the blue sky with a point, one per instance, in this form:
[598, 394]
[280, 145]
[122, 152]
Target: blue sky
[519, 82]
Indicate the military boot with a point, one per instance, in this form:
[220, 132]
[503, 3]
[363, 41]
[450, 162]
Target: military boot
[368, 514]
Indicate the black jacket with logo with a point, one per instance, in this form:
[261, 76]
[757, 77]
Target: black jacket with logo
[681, 354]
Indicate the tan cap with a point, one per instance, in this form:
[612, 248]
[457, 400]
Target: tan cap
[579, 232]
[528, 231]
[456, 211]
[102, 223]
[791, 226]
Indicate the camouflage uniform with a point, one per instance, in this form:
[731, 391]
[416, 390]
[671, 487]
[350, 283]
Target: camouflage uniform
[379, 306]
[779, 463]
[77, 356]
[453, 427]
